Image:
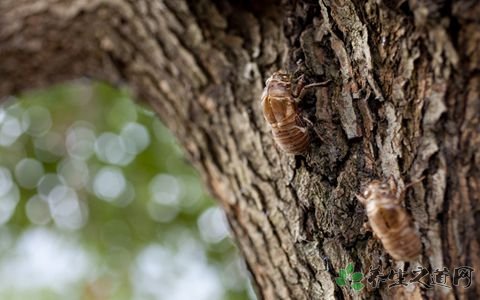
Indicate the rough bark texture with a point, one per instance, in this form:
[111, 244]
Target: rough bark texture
[403, 100]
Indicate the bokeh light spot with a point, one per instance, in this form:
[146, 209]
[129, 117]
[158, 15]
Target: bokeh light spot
[136, 137]
[109, 183]
[66, 209]
[74, 171]
[111, 148]
[80, 140]
[47, 183]
[28, 172]
[165, 189]
[36, 120]
[162, 213]
[49, 147]
[8, 203]
[10, 130]
[37, 210]
[6, 181]
[213, 225]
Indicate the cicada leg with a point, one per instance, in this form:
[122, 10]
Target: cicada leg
[301, 88]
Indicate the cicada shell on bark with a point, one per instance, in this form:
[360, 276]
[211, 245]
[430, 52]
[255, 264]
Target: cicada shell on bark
[390, 221]
[281, 112]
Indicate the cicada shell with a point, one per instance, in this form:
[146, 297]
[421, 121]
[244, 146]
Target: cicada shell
[390, 221]
[281, 112]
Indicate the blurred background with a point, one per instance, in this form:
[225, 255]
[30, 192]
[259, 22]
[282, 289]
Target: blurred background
[98, 202]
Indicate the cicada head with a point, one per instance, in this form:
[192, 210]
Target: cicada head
[280, 76]
[278, 85]
[377, 189]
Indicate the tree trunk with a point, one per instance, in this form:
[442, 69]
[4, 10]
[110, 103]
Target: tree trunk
[402, 101]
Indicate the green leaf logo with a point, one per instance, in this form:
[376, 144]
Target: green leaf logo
[340, 281]
[357, 286]
[348, 277]
[349, 268]
[357, 276]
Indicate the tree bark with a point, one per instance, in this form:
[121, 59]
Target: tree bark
[402, 101]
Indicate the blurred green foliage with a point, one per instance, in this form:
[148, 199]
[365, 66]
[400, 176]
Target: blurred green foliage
[98, 202]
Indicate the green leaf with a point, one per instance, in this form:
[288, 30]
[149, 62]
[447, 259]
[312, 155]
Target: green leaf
[340, 281]
[343, 273]
[357, 276]
[349, 268]
[357, 286]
